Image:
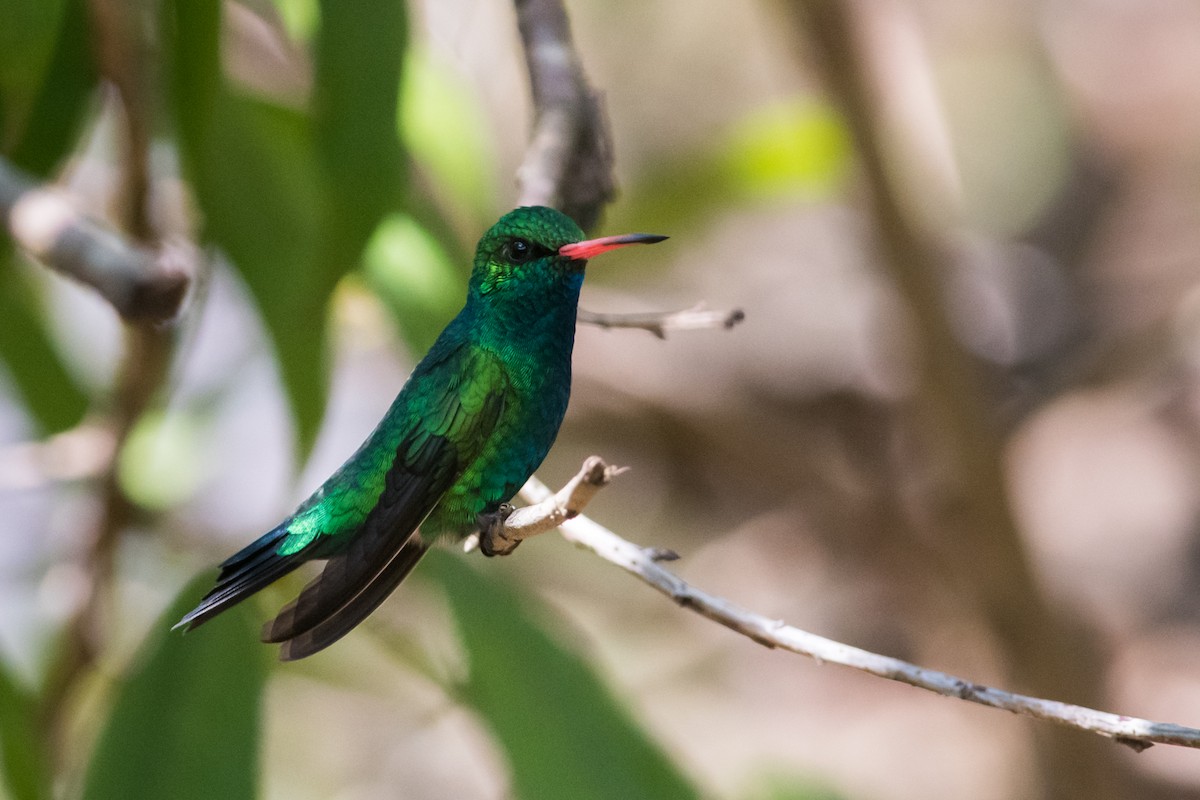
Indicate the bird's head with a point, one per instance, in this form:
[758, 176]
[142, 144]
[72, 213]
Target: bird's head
[535, 249]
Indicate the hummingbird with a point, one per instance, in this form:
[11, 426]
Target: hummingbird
[473, 421]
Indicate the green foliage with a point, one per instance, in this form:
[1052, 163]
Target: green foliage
[359, 52]
[186, 720]
[257, 188]
[26, 43]
[299, 17]
[410, 271]
[797, 150]
[780, 785]
[292, 197]
[563, 732]
[50, 392]
[45, 79]
[415, 261]
[44, 133]
[163, 461]
[25, 773]
[446, 131]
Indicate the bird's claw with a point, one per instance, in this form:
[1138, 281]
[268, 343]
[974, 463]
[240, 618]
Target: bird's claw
[492, 541]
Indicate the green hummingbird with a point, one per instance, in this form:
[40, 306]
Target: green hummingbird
[474, 420]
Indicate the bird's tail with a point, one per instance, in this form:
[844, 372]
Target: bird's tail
[243, 574]
[347, 590]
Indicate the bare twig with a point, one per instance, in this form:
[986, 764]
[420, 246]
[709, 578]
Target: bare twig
[141, 284]
[663, 322]
[549, 509]
[568, 164]
[555, 509]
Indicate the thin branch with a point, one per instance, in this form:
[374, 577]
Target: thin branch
[141, 284]
[553, 510]
[568, 164]
[562, 508]
[661, 323]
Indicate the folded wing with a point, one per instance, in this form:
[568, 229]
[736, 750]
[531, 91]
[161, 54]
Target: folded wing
[448, 417]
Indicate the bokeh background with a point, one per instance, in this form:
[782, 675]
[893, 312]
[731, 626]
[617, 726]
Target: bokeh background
[335, 163]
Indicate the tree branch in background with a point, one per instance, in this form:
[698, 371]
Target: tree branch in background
[140, 283]
[976, 534]
[151, 291]
[663, 322]
[548, 510]
[568, 164]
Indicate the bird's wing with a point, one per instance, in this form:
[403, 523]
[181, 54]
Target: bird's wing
[459, 403]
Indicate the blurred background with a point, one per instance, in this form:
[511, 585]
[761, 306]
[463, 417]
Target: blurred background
[960, 424]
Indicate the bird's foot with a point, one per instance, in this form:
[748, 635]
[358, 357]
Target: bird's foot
[492, 541]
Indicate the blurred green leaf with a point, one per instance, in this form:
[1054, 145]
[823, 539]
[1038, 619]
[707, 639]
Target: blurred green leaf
[359, 52]
[163, 461]
[300, 18]
[51, 394]
[25, 773]
[252, 169]
[293, 198]
[796, 150]
[46, 76]
[407, 268]
[27, 40]
[258, 189]
[443, 125]
[780, 785]
[564, 733]
[192, 35]
[57, 108]
[185, 724]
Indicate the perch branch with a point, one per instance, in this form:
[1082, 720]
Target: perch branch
[662, 323]
[554, 509]
[548, 509]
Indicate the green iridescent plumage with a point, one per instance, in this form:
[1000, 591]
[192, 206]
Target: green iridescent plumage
[473, 421]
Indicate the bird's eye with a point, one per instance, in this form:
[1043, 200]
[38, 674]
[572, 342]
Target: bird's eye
[518, 251]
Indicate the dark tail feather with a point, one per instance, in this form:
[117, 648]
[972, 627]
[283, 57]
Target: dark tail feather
[243, 574]
[337, 601]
